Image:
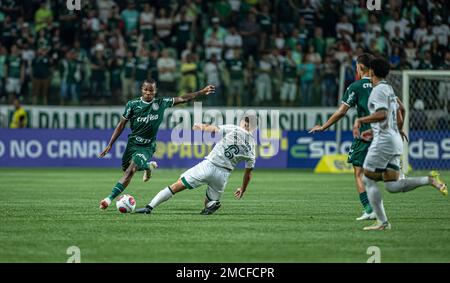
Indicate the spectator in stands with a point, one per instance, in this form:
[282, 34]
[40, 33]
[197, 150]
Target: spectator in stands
[213, 45]
[20, 117]
[99, 64]
[43, 17]
[130, 16]
[441, 31]
[289, 77]
[14, 72]
[69, 71]
[183, 31]
[189, 78]
[307, 71]
[147, 21]
[263, 80]
[41, 76]
[265, 21]
[232, 42]
[344, 29]
[329, 74]
[318, 41]
[397, 22]
[249, 31]
[142, 73]
[425, 62]
[129, 69]
[115, 79]
[213, 76]
[166, 72]
[235, 67]
[163, 26]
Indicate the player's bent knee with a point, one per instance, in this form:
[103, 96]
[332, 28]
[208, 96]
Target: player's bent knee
[391, 176]
[372, 175]
[177, 186]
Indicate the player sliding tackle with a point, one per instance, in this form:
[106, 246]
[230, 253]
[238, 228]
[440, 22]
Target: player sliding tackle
[145, 115]
[383, 158]
[238, 144]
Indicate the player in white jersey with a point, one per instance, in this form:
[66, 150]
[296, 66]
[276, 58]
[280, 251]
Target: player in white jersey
[238, 144]
[383, 158]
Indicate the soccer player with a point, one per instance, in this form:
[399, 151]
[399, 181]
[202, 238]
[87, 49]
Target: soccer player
[356, 95]
[383, 158]
[145, 115]
[237, 144]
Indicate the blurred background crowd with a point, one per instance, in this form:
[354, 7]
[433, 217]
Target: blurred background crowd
[256, 52]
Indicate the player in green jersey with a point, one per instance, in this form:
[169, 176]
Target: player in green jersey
[356, 95]
[145, 115]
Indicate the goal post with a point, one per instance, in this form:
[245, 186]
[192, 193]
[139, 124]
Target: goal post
[426, 97]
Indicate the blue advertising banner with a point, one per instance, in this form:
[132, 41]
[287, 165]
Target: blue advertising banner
[80, 148]
[287, 149]
[427, 149]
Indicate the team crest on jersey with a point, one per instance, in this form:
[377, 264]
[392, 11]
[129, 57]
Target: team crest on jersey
[155, 106]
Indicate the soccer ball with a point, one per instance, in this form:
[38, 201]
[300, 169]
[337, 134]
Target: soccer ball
[126, 204]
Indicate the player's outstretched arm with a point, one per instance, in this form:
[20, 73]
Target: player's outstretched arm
[210, 89]
[206, 128]
[342, 110]
[246, 180]
[378, 116]
[400, 120]
[117, 132]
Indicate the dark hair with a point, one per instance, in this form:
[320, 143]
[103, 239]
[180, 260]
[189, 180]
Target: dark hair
[365, 59]
[251, 119]
[380, 67]
[149, 81]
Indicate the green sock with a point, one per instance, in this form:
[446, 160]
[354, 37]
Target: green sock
[117, 190]
[365, 202]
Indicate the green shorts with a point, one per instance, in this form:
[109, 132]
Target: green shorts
[358, 152]
[140, 154]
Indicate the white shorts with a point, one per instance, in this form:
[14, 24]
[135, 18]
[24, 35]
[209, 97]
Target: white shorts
[381, 158]
[206, 173]
[288, 91]
[13, 85]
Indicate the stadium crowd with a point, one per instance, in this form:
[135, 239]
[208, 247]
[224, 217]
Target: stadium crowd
[256, 52]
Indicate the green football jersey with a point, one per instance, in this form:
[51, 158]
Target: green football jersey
[357, 95]
[145, 118]
[14, 64]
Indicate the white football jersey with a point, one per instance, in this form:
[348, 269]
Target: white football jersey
[236, 145]
[385, 133]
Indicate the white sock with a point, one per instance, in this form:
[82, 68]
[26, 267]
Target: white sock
[161, 197]
[375, 199]
[406, 185]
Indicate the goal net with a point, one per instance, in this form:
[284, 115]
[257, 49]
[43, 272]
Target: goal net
[426, 96]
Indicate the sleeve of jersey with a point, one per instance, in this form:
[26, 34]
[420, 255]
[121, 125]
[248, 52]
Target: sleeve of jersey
[379, 100]
[168, 102]
[250, 164]
[127, 113]
[224, 129]
[349, 97]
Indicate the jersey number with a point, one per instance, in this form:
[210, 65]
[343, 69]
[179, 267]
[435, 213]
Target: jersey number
[231, 151]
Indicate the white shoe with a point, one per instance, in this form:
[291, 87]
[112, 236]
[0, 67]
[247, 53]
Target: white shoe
[367, 216]
[148, 173]
[105, 203]
[378, 226]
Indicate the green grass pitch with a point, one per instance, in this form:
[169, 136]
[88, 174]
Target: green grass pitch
[285, 216]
